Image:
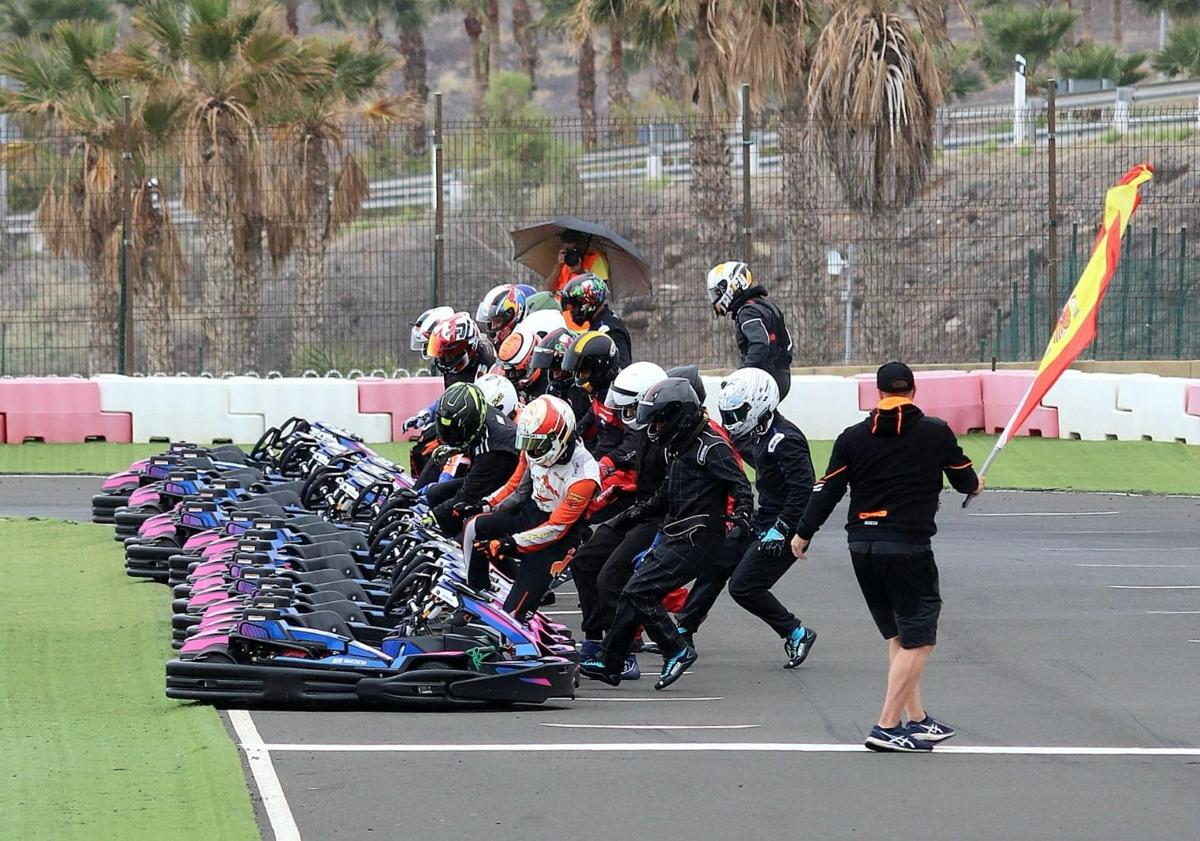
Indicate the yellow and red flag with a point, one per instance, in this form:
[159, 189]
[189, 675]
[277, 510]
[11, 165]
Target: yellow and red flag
[1076, 327]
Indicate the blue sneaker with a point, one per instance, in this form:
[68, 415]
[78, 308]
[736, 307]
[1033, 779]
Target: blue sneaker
[930, 730]
[589, 650]
[631, 671]
[895, 740]
[797, 646]
[675, 665]
[596, 670]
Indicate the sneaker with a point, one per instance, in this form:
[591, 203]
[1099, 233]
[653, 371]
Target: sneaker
[895, 740]
[675, 665]
[596, 670]
[631, 671]
[590, 650]
[930, 730]
[797, 646]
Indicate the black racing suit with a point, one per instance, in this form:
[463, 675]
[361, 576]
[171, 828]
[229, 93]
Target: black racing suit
[763, 339]
[784, 478]
[423, 468]
[603, 564]
[607, 321]
[493, 457]
[700, 479]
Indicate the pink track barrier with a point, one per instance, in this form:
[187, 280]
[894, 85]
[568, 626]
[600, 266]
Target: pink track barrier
[399, 398]
[59, 410]
[954, 396]
[1002, 391]
[1192, 400]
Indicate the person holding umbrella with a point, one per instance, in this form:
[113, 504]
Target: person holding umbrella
[577, 254]
[563, 248]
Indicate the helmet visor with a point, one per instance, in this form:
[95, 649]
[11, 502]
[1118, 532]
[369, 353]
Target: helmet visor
[736, 416]
[535, 445]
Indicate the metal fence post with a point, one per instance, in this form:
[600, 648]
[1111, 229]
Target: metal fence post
[1152, 292]
[1052, 233]
[439, 211]
[124, 302]
[1180, 296]
[747, 213]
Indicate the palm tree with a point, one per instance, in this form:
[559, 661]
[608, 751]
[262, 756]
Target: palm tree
[226, 61]
[291, 12]
[492, 16]
[526, 39]
[1034, 32]
[1118, 23]
[1101, 61]
[27, 18]
[1181, 55]
[560, 15]
[58, 92]
[315, 182]
[613, 15]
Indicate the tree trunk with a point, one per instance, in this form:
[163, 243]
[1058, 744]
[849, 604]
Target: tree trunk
[154, 303]
[308, 292]
[249, 284]
[416, 69]
[618, 82]
[1085, 17]
[710, 188]
[104, 337]
[1118, 25]
[220, 275]
[586, 91]
[493, 38]
[525, 37]
[479, 80]
[292, 17]
[668, 71]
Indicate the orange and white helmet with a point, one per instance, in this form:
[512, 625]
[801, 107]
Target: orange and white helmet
[454, 343]
[545, 429]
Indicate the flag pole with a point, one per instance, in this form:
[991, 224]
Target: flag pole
[1002, 440]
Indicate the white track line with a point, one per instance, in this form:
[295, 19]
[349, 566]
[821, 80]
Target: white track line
[648, 700]
[650, 726]
[258, 757]
[1193, 640]
[720, 747]
[1172, 612]
[1043, 514]
[1154, 586]
[1138, 566]
[1118, 548]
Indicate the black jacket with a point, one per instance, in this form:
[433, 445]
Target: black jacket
[784, 473]
[493, 460]
[484, 360]
[893, 463]
[604, 435]
[607, 321]
[763, 339]
[700, 480]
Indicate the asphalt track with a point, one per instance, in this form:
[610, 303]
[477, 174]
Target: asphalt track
[1072, 621]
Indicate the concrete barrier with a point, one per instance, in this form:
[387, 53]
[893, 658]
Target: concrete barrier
[398, 399]
[954, 396]
[331, 400]
[58, 410]
[178, 408]
[1000, 394]
[1159, 408]
[1087, 407]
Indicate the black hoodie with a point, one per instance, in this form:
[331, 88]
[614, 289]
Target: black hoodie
[893, 463]
[762, 336]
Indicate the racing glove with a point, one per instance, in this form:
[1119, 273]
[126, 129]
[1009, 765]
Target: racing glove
[739, 526]
[466, 510]
[420, 419]
[607, 468]
[773, 540]
[504, 547]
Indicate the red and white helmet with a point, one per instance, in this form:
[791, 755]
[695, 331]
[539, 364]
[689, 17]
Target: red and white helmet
[423, 327]
[545, 428]
[514, 358]
[454, 343]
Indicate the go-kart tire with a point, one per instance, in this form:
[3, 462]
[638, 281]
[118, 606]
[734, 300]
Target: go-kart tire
[156, 553]
[109, 502]
[236, 683]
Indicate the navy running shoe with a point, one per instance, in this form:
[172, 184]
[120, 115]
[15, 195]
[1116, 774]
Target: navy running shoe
[596, 670]
[631, 670]
[797, 646]
[930, 730]
[895, 740]
[675, 665]
[590, 650]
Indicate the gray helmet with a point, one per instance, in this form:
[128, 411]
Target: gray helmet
[692, 374]
[671, 413]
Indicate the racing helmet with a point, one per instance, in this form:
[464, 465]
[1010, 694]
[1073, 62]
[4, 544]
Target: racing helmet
[515, 358]
[498, 392]
[630, 384]
[584, 296]
[592, 358]
[671, 413]
[550, 351]
[691, 373]
[418, 339]
[748, 400]
[725, 282]
[460, 415]
[545, 428]
[454, 343]
[489, 300]
[505, 313]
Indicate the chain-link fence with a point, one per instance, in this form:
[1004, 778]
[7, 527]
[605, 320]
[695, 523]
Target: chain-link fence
[287, 252]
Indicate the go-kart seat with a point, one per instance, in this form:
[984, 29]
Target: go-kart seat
[344, 588]
[230, 453]
[322, 620]
[257, 506]
[346, 609]
[342, 563]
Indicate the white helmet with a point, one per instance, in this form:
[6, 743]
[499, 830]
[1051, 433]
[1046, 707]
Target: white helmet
[749, 396]
[422, 328]
[541, 322]
[498, 392]
[490, 300]
[630, 384]
[725, 282]
[544, 429]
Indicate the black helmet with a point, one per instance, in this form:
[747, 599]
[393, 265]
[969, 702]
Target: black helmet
[550, 352]
[460, 415]
[593, 359]
[671, 413]
[692, 374]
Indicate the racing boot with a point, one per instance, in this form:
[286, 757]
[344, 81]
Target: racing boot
[597, 670]
[797, 645]
[675, 665]
[631, 670]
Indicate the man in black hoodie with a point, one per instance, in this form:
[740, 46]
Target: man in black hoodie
[762, 336]
[893, 462]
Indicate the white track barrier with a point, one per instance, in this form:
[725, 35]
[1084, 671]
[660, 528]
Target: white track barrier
[330, 400]
[1087, 407]
[177, 408]
[1159, 408]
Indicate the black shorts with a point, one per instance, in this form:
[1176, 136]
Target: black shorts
[900, 584]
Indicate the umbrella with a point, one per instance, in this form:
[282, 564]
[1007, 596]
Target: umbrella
[537, 246]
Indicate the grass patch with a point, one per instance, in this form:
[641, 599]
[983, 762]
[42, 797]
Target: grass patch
[92, 748]
[1027, 463]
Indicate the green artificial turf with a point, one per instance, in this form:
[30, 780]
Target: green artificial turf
[1029, 463]
[89, 745]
